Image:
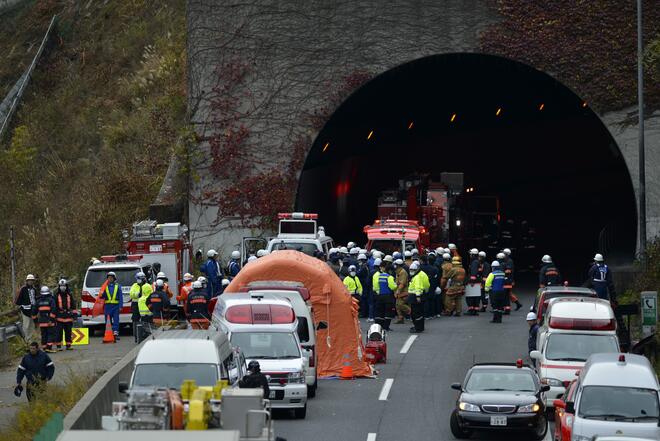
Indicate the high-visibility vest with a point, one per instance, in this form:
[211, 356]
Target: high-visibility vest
[386, 284]
[111, 299]
[138, 290]
[353, 285]
[142, 305]
[416, 285]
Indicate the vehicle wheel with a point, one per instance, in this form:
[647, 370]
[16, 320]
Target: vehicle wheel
[456, 428]
[542, 429]
[311, 390]
[300, 413]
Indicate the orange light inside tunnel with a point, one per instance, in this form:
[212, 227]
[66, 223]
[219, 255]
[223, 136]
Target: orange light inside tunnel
[453, 117]
[410, 126]
[542, 106]
[370, 134]
[499, 110]
[584, 104]
[325, 147]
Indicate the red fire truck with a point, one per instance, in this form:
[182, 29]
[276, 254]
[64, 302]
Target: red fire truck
[390, 235]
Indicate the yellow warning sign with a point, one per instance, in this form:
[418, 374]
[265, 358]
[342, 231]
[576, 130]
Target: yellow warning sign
[79, 336]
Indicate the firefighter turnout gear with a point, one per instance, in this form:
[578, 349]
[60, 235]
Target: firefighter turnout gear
[401, 294]
[197, 307]
[455, 288]
[36, 367]
[65, 314]
[549, 275]
[44, 314]
[158, 303]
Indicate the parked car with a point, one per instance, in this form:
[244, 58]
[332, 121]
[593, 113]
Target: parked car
[563, 419]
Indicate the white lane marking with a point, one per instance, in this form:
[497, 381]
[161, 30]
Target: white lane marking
[386, 389]
[408, 344]
[371, 437]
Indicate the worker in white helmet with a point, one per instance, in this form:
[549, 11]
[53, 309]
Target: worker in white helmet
[401, 293]
[600, 280]
[234, 265]
[212, 271]
[549, 274]
[383, 286]
[26, 299]
[197, 309]
[495, 288]
[445, 268]
[453, 250]
[166, 287]
[484, 274]
[477, 274]
[533, 331]
[407, 259]
[223, 285]
[185, 290]
[506, 264]
[351, 245]
[261, 253]
[364, 274]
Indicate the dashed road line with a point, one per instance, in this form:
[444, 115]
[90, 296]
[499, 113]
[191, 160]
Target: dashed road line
[384, 393]
[408, 344]
[371, 437]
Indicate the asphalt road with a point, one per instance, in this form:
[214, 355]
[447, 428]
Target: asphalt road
[420, 400]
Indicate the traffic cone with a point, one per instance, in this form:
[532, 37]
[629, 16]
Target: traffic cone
[108, 337]
[346, 369]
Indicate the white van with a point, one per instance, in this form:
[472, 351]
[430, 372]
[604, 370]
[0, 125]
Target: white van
[94, 278]
[299, 297]
[266, 330]
[574, 328]
[170, 357]
[616, 394]
[299, 232]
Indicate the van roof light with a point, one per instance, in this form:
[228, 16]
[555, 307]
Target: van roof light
[622, 358]
[519, 363]
[582, 324]
[297, 215]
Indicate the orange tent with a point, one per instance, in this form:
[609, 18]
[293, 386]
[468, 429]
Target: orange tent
[338, 338]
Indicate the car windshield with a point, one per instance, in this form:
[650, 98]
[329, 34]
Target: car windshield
[173, 375]
[619, 404]
[266, 345]
[519, 380]
[578, 347]
[125, 276]
[389, 246]
[307, 248]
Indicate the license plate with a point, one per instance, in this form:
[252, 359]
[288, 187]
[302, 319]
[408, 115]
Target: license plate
[498, 421]
[272, 394]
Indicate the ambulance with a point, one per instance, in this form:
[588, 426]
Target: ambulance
[300, 232]
[574, 329]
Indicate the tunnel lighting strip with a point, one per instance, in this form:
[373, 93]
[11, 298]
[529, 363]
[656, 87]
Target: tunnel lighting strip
[542, 106]
[499, 110]
[410, 126]
[453, 118]
[370, 134]
[325, 147]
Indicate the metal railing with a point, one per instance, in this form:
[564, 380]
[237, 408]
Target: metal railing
[7, 332]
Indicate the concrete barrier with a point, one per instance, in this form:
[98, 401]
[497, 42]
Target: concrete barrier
[87, 413]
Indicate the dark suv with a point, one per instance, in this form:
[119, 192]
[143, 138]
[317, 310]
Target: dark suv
[500, 397]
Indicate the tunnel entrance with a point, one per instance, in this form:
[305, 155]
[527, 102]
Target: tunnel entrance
[514, 132]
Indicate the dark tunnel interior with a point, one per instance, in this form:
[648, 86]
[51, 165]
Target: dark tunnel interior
[513, 131]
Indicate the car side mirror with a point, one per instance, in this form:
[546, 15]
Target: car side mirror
[536, 355]
[123, 387]
[545, 388]
[456, 386]
[570, 407]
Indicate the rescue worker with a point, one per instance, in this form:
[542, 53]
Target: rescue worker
[453, 250]
[44, 315]
[484, 274]
[353, 284]
[158, 303]
[184, 291]
[26, 299]
[474, 255]
[65, 314]
[352, 257]
[36, 367]
[113, 297]
[365, 279]
[166, 287]
[407, 260]
[138, 289]
[476, 275]
[600, 280]
[213, 273]
[415, 254]
[373, 255]
[445, 267]
[255, 379]
[197, 307]
[496, 291]
[224, 284]
[549, 274]
[205, 285]
[455, 287]
[146, 317]
[334, 262]
[533, 331]
[417, 289]
[427, 265]
[401, 294]
[384, 286]
[506, 264]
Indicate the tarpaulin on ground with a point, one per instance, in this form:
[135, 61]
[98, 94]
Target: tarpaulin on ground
[338, 337]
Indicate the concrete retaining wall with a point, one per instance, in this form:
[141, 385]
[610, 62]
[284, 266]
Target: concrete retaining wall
[87, 413]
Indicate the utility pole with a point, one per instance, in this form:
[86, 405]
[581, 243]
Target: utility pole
[12, 257]
[642, 159]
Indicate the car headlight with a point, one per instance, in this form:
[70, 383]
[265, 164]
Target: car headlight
[296, 377]
[552, 382]
[468, 407]
[530, 408]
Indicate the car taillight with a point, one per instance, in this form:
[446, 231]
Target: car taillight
[582, 324]
[311, 349]
[260, 314]
[87, 297]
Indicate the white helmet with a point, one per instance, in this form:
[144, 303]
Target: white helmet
[96, 262]
[378, 262]
[398, 262]
[482, 254]
[62, 282]
[599, 258]
[161, 275]
[187, 277]
[350, 245]
[447, 250]
[377, 254]
[225, 282]
[414, 251]
[352, 268]
[202, 279]
[44, 290]
[363, 251]
[407, 254]
[30, 277]
[261, 253]
[474, 252]
[111, 273]
[507, 251]
[414, 266]
[160, 283]
[252, 258]
[197, 284]
[388, 258]
[546, 259]
[343, 250]
[235, 254]
[362, 257]
[446, 256]
[141, 276]
[439, 250]
[451, 246]
[500, 255]
[355, 250]
[530, 316]
[211, 253]
[333, 251]
[494, 264]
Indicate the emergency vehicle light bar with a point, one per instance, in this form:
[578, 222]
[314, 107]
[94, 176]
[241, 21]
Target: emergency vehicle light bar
[582, 324]
[260, 314]
[122, 257]
[297, 215]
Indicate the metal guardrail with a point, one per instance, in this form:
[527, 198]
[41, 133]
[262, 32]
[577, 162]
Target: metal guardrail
[7, 332]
